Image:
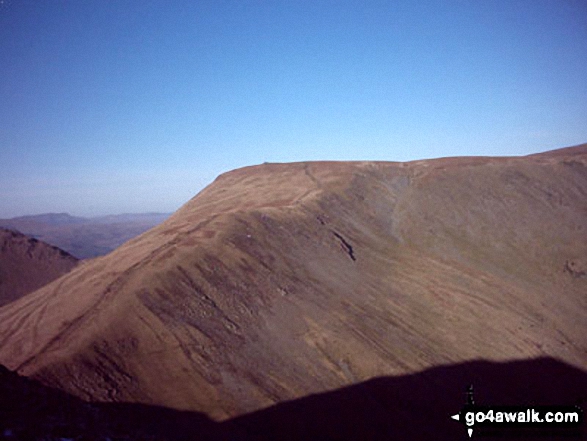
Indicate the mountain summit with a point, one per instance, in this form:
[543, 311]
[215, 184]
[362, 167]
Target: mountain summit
[279, 281]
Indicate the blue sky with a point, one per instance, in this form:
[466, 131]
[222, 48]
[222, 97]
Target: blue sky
[118, 106]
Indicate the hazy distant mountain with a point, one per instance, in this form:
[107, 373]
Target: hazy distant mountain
[46, 219]
[154, 218]
[280, 281]
[85, 237]
[27, 264]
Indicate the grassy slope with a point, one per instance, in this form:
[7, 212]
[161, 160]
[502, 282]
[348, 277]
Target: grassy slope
[282, 280]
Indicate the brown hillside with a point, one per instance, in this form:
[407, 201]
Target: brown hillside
[26, 264]
[283, 280]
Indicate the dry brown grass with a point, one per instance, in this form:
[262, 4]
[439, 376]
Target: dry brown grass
[282, 280]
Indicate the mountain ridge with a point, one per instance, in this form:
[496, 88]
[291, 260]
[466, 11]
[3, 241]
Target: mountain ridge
[282, 280]
[27, 264]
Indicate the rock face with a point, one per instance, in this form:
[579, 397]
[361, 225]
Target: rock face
[283, 280]
[27, 264]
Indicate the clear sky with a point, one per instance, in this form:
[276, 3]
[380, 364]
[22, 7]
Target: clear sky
[118, 106]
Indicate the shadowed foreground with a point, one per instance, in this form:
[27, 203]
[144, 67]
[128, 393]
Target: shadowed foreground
[409, 407]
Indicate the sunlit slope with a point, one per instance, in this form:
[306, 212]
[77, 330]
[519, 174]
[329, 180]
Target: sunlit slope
[282, 280]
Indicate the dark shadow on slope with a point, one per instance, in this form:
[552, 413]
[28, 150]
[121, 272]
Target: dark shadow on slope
[419, 406]
[409, 407]
[31, 411]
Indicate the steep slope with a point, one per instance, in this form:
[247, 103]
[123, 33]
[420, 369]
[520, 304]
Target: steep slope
[282, 280]
[26, 264]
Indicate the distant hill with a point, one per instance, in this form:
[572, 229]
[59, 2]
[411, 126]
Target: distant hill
[45, 219]
[27, 264]
[282, 282]
[84, 237]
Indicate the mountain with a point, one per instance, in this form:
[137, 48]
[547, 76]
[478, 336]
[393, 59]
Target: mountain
[281, 281]
[153, 218]
[85, 237]
[45, 219]
[26, 264]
